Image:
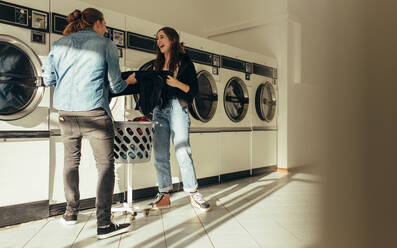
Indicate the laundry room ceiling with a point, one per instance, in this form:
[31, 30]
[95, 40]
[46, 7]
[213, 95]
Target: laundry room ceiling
[204, 18]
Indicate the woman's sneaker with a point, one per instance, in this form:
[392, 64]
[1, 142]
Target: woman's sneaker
[112, 230]
[69, 219]
[162, 200]
[198, 201]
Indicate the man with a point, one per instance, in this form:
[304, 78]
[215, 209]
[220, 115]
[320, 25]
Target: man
[83, 66]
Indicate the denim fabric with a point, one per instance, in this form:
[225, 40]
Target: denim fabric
[173, 121]
[97, 127]
[83, 66]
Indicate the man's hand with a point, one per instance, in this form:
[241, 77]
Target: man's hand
[131, 79]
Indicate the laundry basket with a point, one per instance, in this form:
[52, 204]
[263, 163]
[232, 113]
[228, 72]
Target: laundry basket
[132, 141]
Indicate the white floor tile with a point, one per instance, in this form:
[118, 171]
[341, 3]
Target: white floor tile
[19, 235]
[274, 210]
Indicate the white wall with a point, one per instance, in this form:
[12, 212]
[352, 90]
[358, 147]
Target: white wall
[302, 85]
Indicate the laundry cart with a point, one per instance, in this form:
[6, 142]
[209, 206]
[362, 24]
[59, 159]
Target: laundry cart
[132, 144]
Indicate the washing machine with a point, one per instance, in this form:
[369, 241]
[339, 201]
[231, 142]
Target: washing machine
[24, 108]
[205, 122]
[140, 55]
[236, 117]
[88, 179]
[264, 116]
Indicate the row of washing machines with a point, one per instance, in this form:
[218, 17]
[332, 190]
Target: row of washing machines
[233, 118]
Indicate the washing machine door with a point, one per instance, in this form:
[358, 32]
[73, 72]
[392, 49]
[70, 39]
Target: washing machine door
[265, 102]
[204, 104]
[20, 79]
[235, 99]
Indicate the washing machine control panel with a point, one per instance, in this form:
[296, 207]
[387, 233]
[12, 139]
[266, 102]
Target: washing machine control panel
[24, 17]
[21, 16]
[39, 20]
[38, 37]
[13, 15]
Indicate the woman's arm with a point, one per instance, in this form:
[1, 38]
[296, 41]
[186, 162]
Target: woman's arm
[173, 82]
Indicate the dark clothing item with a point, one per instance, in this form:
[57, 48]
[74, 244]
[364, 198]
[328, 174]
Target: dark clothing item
[142, 77]
[97, 126]
[150, 87]
[153, 89]
[187, 75]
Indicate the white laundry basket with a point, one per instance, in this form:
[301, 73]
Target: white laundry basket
[132, 141]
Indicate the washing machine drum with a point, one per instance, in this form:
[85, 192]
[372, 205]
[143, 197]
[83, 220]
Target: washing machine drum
[204, 104]
[235, 99]
[19, 93]
[265, 101]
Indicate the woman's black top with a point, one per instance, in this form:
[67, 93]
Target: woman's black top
[187, 75]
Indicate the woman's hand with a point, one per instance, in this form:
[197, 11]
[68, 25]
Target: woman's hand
[131, 79]
[173, 82]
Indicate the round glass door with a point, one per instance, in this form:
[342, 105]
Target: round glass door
[204, 104]
[20, 70]
[265, 102]
[235, 99]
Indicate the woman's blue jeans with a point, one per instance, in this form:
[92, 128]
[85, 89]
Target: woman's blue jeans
[173, 121]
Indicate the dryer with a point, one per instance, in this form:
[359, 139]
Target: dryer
[236, 117]
[24, 105]
[115, 31]
[264, 116]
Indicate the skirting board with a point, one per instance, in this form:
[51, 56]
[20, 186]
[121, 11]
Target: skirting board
[20, 213]
[59, 208]
[264, 170]
[234, 175]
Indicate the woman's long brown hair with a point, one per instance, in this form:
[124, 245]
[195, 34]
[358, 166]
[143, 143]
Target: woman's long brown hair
[81, 20]
[177, 50]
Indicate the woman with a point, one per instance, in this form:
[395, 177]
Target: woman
[172, 119]
[83, 66]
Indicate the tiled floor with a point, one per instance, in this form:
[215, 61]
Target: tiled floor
[273, 210]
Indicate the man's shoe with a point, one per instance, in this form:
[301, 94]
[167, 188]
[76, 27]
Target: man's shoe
[69, 219]
[162, 200]
[112, 230]
[198, 201]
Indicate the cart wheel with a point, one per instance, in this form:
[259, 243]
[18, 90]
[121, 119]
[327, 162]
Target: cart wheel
[134, 213]
[147, 211]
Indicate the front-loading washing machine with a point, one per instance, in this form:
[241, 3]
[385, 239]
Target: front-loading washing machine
[236, 117]
[24, 110]
[88, 179]
[140, 55]
[205, 121]
[264, 116]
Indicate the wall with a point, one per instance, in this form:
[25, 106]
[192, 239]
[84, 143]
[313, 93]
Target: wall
[298, 43]
[361, 172]
[346, 61]
[380, 172]
[338, 103]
